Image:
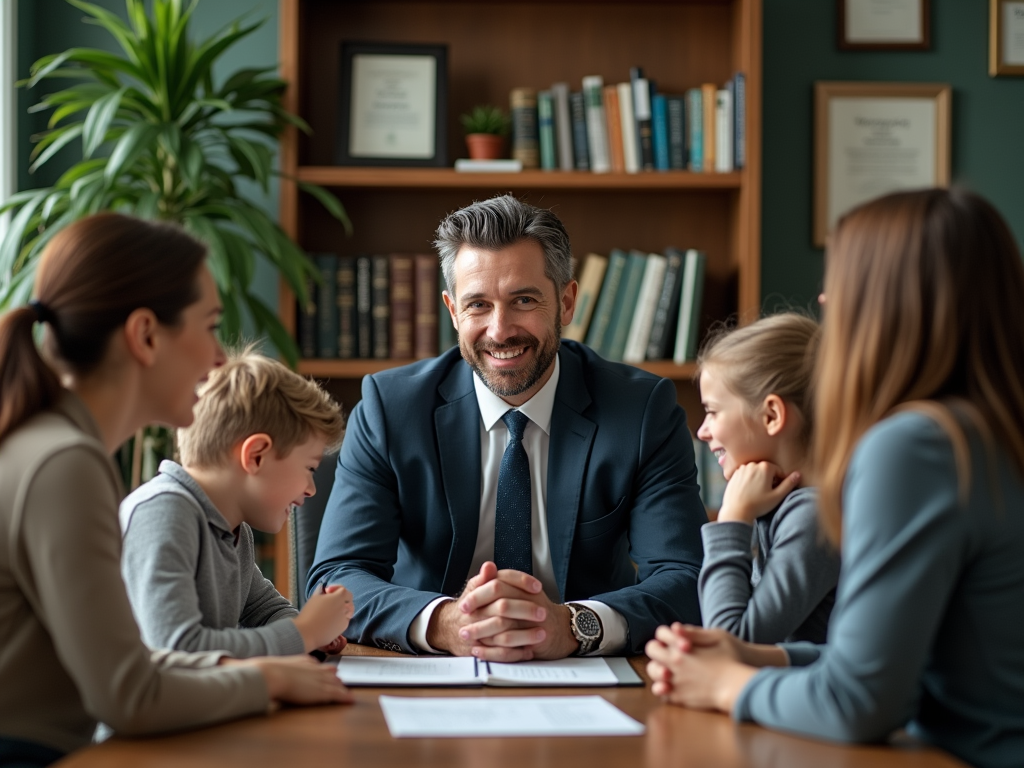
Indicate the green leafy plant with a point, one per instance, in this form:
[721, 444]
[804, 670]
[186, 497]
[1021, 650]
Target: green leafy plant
[486, 119]
[161, 140]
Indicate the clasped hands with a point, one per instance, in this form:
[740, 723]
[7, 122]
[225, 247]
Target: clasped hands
[502, 616]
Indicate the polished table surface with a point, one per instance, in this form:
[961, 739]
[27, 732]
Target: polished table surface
[346, 736]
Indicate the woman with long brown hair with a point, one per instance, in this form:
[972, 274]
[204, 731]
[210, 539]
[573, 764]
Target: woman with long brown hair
[130, 315]
[919, 450]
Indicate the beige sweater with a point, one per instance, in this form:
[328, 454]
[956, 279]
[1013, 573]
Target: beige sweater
[70, 651]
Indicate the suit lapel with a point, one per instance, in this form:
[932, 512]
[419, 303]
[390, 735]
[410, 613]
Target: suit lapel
[568, 449]
[458, 441]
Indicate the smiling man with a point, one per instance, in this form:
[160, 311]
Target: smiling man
[519, 497]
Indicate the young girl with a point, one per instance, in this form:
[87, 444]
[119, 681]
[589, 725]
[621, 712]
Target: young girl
[754, 383]
[919, 447]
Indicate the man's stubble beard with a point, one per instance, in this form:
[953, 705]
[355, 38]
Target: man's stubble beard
[513, 383]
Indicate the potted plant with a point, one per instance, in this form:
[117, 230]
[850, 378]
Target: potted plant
[486, 129]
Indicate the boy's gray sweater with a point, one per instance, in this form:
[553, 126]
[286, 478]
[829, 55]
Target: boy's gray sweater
[773, 581]
[192, 581]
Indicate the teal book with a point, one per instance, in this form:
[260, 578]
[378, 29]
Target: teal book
[695, 136]
[659, 128]
[602, 316]
[546, 129]
[691, 291]
[625, 306]
[327, 306]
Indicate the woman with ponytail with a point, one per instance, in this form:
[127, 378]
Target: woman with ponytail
[919, 462]
[129, 313]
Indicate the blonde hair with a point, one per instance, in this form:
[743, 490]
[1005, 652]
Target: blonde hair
[772, 356]
[251, 394]
[925, 313]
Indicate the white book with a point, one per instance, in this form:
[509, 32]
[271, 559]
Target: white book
[723, 132]
[629, 148]
[597, 133]
[563, 125]
[690, 291]
[646, 306]
[465, 165]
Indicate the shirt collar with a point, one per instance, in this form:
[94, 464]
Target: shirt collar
[174, 470]
[537, 409]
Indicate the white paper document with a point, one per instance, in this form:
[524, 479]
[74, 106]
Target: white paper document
[454, 671]
[505, 716]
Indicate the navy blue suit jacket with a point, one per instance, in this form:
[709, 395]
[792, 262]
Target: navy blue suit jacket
[401, 523]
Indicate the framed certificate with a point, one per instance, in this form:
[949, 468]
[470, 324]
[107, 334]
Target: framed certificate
[884, 24]
[875, 138]
[1006, 37]
[393, 105]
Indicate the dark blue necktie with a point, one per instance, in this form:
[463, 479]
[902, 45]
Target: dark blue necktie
[512, 545]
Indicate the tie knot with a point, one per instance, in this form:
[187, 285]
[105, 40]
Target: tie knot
[516, 422]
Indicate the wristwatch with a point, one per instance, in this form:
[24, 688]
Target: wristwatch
[586, 628]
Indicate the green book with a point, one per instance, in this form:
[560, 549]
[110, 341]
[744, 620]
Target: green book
[625, 305]
[546, 129]
[601, 319]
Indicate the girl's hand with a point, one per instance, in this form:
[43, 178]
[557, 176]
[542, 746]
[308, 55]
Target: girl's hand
[297, 679]
[755, 489]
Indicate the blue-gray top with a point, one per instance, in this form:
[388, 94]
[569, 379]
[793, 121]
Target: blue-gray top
[926, 630]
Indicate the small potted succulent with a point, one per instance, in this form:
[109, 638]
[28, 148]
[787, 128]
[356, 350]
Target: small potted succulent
[486, 129]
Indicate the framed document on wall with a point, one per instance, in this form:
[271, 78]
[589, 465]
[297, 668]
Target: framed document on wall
[875, 138]
[1006, 38]
[393, 105]
[884, 24]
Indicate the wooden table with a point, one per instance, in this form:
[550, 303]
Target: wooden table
[356, 736]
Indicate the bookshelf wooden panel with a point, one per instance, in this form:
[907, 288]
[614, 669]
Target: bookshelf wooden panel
[493, 47]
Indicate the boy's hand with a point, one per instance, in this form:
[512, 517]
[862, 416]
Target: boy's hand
[325, 616]
[337, 645]
[755, 489]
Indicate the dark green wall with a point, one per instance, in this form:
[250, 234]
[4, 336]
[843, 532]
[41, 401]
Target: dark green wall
[800, 48]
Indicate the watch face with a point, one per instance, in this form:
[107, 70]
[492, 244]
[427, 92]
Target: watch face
[587, 624]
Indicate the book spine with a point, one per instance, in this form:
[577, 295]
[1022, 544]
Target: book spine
[606, 301]
[590, 286]
[723, 131]
[675, 107]
[739, 109]
[625, 306]
[306, 320]
[642, 116]
[381, 308]
[597, 136]
[689, 307]
[693, 341]
[580, 145]
[563, 125]
[708, 94]
[346, 307]
[402, 305]
[612, 118]
[364, 307]
[546, 131]
[695, 137]
[630, 155]
[659, 131]
[327, 304]
[646, 305]
[426, 333]
[525, 148]
[668, 306]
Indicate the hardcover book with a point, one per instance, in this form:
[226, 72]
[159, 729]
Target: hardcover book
[563, 125]
[546, 131]
[659, 132]
[695, 136]
[426, 333]
[613, 119]
[525, 141]
[675, 107]
[594, 269]
[646, 306]
[630, 150]
[625, 306]
[306, 320]
[364, 307]
[690, 295]
[402, 311]
[723, 131]
[597, 136]
[642, 116]
[739, 111]
[327, 305]
[664, 325]
[708, 93]
[346, 307]
[599, 323]
[580, 143]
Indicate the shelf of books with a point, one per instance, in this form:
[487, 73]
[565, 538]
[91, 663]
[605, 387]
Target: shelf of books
[352, 369]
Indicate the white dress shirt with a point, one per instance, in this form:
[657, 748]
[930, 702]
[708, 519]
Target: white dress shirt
[536, 438]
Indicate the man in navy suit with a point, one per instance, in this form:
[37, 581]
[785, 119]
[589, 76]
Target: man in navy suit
[519, 497]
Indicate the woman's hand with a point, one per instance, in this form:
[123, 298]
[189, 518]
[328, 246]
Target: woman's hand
[754, 490]
[298, 679]
[704, 668]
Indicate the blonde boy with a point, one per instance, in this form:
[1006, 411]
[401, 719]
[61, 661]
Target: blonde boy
[188, 562]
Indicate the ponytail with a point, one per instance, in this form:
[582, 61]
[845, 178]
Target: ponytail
[27, 384]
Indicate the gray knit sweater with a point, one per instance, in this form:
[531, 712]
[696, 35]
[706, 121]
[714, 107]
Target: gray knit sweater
[192, 581]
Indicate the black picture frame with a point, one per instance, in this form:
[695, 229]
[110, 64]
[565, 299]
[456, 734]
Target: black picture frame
[348, 154]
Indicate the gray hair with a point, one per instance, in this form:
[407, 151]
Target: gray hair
[498, 223]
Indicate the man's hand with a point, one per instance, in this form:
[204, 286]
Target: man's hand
[502, 616]
[754, 490]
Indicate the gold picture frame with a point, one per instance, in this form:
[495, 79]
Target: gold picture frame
[1006, 38]
[875, 138]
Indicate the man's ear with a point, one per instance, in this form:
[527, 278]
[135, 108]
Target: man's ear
[568, 301]
[254, 450]
[450, 303]
[140, 336]
[774, 415]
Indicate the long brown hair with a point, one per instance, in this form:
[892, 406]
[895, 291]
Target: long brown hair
[925, 306]
[91, 277]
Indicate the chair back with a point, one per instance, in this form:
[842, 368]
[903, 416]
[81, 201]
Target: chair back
[304, 528]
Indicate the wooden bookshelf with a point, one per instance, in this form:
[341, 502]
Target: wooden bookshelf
[492, 48]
